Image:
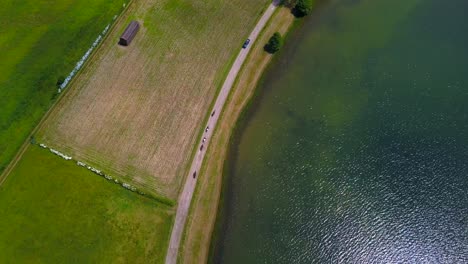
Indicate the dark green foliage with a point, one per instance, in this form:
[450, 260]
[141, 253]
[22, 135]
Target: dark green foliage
[60, 80]
[274, 44]
[288, 3]
[303, 7]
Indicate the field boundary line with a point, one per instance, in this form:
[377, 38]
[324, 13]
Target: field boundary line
[61, 95]
[212, 104]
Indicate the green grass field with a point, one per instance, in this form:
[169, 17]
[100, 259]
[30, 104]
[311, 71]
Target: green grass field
[40, 42]
[133, 111]
[55, 212]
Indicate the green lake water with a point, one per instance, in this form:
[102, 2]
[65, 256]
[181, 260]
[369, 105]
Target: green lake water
[356, 150]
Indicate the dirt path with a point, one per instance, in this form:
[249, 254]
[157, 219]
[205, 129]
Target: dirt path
[185, 197]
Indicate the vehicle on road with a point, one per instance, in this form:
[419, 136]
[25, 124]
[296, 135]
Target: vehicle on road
[207, 128]
[204, 139]
[246, 44]
[194, 174]
[201, 147]
[212, 114]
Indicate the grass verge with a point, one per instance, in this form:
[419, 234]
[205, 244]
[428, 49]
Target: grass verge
[197, 233]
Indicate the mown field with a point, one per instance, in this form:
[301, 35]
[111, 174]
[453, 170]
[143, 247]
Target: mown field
[55, 212]
[41, 41]
[136, 112]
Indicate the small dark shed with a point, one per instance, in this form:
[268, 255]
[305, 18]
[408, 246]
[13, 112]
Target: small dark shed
[129, 33]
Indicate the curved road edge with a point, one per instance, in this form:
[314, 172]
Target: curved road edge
[185, 197]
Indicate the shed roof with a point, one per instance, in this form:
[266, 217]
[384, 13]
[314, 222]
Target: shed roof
[130, 31]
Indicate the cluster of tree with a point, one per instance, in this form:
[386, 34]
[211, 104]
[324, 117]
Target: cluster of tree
[274, 44]
[299, 8]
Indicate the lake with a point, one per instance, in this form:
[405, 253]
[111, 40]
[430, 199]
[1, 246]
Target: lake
[356, 149]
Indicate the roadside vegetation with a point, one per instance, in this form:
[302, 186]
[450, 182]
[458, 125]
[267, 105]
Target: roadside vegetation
[136, 112]
[197, 235]
[41, 43]
[303, 7]
[299, 8]
[274, 43]
[55, 212]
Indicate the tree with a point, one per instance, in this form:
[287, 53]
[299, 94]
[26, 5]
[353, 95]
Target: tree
[288, 3]
[274, 44]
[303, 7]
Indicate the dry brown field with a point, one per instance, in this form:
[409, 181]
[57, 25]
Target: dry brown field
[135, 112]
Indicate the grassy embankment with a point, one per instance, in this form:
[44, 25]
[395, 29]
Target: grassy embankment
[41, 42]
[203, 211]
[135, 112]
[55, 212]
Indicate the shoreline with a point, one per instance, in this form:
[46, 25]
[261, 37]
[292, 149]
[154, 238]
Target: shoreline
[230, 159]
[243, 120]
[200, 229]
[185, 197]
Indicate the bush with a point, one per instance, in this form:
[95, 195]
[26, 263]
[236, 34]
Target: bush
[274, 44]
[288, 3]
[303, 7]
[60, 80]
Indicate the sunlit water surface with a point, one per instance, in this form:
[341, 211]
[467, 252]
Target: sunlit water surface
[357, 149]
